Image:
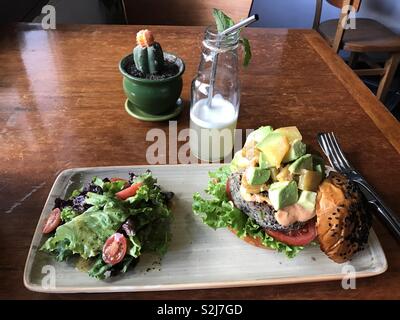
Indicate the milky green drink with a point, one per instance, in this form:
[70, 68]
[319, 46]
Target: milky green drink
[212, 128]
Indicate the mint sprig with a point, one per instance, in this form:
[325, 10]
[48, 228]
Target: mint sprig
[223, 22]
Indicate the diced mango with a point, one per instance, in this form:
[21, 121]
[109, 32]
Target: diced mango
[284, 175]
[274, 147]
[292, 133]
[239, 161]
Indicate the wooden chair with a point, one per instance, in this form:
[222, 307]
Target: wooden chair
[369, 36]
[182, 12]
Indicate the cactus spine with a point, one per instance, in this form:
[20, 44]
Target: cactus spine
[148, 54]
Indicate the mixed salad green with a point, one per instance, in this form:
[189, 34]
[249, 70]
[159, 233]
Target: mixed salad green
[109, 223]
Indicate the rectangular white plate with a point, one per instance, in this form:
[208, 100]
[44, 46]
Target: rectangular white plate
[198, 256]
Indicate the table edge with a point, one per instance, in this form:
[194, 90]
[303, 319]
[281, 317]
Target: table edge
[374, 108]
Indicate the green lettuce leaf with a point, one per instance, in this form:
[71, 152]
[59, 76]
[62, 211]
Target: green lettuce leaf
[67, 214]
[85, 234]
[102, 270]
[99, 269]
[98, 182]
[95, 199]
[75, 193]
[113, 187]
[218, 212]
[156, 236]
[135, 246]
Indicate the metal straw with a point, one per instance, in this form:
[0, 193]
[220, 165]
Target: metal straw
[220, 35]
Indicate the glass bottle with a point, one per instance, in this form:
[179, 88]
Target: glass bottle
[215, 97]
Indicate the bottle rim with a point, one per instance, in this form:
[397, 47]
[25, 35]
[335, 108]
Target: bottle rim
[214, 42]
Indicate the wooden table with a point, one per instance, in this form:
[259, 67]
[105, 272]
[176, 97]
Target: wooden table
[61, 106]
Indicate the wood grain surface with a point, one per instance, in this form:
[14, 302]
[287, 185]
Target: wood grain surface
[183, 12]
[62, 106]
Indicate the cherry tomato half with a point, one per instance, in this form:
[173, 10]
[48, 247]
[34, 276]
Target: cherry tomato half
[53, 221]
[114, 249]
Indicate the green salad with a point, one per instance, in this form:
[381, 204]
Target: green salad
[105, 226]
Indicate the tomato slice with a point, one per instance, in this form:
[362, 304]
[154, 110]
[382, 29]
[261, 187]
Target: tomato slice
[53, 221]
[228, 190]
[129, 192]
[114, 249]
[299, 237]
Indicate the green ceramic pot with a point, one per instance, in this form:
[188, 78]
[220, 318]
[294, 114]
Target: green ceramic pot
[153, 96]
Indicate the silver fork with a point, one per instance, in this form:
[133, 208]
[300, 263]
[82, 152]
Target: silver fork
[332, 150]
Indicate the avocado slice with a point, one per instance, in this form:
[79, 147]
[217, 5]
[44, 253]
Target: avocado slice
[304, 162]
[263, 162]
[307, 200]
[256, 175]
[319, 164]
[321, 169]
[283, 194]
[297, 149]
[309, 180]
[259, 134]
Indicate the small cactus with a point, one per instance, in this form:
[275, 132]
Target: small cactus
[148, 54]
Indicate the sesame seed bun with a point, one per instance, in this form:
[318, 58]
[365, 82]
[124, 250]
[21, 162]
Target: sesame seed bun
[343, 224]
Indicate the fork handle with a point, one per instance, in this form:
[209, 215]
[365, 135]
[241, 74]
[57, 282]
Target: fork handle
[395, 224]
[389, 217]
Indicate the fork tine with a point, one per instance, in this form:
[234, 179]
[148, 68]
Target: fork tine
[340, 152]
[334, 152]
[322, 144]
[325, 146]
[337, 154]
